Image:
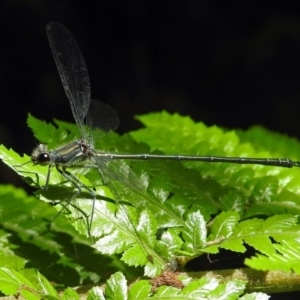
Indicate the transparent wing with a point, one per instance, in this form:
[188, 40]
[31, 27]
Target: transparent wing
[72, 70]
[103, 116]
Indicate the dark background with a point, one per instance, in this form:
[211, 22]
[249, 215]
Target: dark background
[234, 65]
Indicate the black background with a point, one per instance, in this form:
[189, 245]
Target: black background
[232, 64]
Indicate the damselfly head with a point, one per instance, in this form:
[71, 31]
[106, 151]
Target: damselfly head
[40, 155]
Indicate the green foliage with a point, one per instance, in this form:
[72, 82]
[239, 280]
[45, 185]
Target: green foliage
[151, 215]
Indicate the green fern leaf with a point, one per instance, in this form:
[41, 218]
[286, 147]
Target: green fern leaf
[154, 210]
[285, 257]
[116, 287]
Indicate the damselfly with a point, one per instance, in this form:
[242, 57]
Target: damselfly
[74, 76]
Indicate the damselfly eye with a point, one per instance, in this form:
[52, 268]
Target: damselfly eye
[43, 159]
